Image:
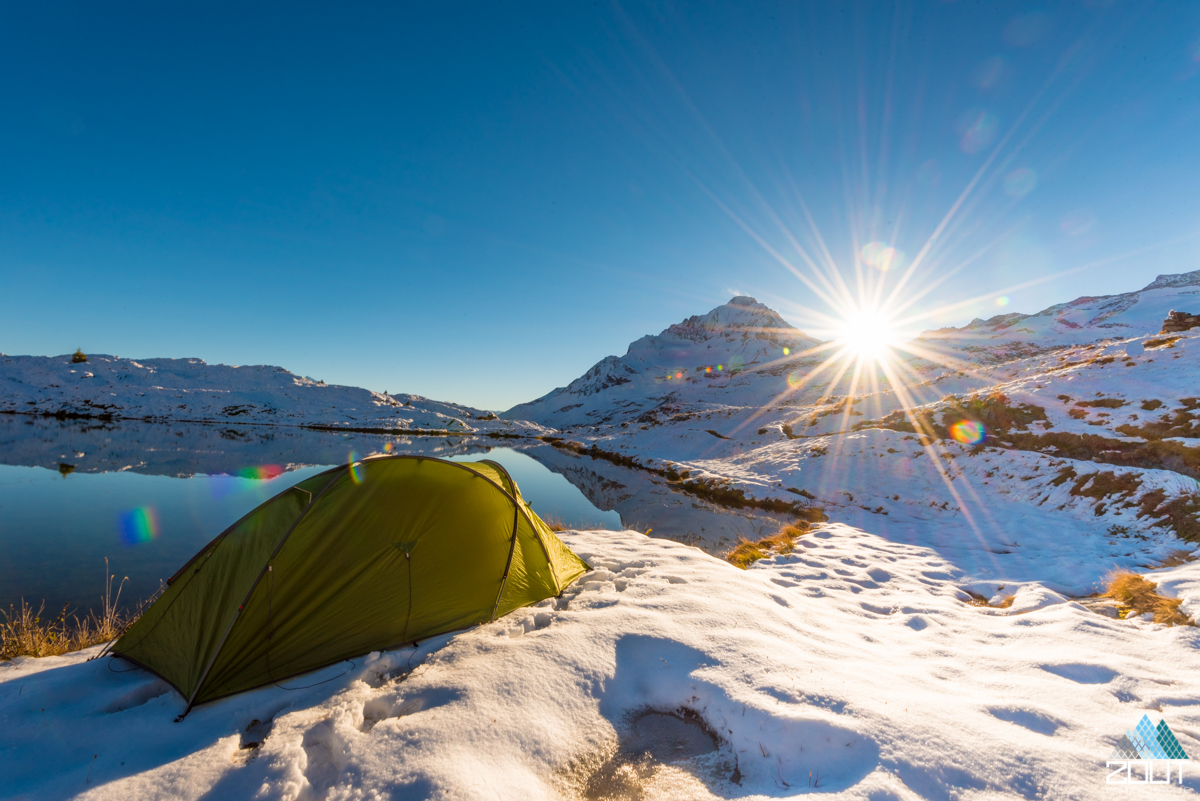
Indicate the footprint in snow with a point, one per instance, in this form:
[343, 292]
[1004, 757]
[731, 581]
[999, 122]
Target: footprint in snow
[1034, 721]
[1081, 673]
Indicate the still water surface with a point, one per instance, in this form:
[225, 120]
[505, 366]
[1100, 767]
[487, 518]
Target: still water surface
[148, 496]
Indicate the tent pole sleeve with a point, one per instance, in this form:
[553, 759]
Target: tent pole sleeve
[211, 546]
[512, 496]
[238, 614]
[512, 545]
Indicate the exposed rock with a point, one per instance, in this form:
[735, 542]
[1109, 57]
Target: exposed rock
[1179, 321]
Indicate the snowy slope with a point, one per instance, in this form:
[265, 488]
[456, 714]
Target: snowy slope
[191, 390]
[853, 667]
[700, 360]
[674, 375]
[1083, 320]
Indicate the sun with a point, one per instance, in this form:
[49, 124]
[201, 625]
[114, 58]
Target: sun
[867, 337]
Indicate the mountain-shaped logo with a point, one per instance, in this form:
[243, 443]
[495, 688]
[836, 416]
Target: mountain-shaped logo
[1147, 741]
[1146, 744]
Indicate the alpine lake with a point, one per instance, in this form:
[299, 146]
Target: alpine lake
[147, 496]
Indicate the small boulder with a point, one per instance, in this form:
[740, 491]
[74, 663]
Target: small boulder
[1179, 321]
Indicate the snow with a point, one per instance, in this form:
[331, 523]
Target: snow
[854, 660]
[695, 358]
[191, 390]
[860, 663]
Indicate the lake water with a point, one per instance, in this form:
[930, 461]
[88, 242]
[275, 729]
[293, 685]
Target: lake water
[148, 496]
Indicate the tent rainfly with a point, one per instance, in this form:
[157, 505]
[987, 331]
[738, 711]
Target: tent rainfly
[363, 557]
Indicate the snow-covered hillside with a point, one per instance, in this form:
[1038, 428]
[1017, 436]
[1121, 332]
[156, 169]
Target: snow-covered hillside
[191, 390]
[1083, 320]
[938, 637]
[697, 360]
[855, 667]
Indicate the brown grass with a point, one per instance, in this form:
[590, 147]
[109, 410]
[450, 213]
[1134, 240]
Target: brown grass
[23, 632]
[1103, 403]
[1137, 596]
[978, 600]
[555, 522]
[783, 541]
[995, 411]
[1177, 558]
[1181, 513]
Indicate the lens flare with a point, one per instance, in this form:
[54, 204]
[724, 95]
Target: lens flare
[1020, 182]
[138, 525]
[968, 432]
[357, 473]
[1002, 300]
[880, 256]
[977, 129]
[989, 73]
[795, 379]
[787, 351]
[1078, 222]
[388, 447]
[261, 472]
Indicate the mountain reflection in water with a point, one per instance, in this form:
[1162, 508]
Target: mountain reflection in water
[149, 495]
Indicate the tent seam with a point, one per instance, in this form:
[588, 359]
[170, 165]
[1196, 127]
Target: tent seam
[237, 616]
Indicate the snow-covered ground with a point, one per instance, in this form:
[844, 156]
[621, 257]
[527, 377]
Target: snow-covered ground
[191, 390]
[1079, 482]
[855, 665]
[852, 667]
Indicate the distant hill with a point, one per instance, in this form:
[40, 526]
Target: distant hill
[1082, 321]
[191, 390]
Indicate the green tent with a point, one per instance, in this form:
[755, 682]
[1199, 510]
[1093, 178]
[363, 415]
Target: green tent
[365, 557]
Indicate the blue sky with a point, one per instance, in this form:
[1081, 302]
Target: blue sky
[477, 201]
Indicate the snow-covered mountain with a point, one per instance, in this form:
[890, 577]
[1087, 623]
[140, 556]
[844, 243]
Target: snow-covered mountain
[968, 535]
[191, 390]
[703, 358]
[744, 355]
[1083, 320]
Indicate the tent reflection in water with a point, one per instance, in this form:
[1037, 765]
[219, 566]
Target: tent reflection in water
[360, 558]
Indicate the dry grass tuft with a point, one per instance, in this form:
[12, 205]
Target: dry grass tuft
[24, 633]
[555, 522]
[978, 600]
[1177, 558]
[1137, 596]
[784, 541]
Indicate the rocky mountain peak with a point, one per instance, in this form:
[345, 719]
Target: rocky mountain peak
[744, 300]
[1176, 280]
